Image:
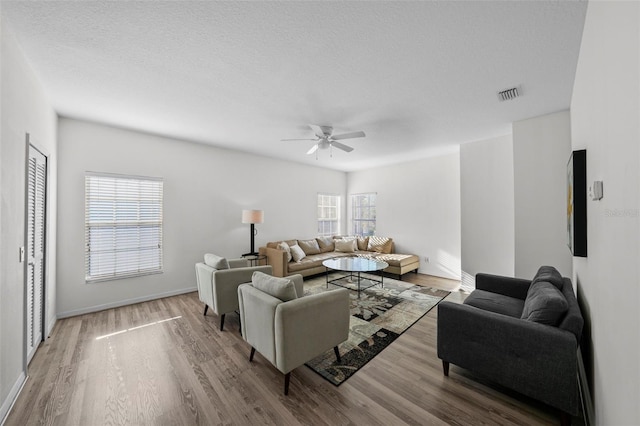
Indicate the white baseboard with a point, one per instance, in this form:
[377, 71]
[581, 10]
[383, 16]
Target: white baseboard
[50, 324]
[125, 302]
[7, 404]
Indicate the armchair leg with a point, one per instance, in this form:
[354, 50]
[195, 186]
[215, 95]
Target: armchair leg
[206, 307]
[445, 367]
[335, 349]
[221, 321]
[253, 352]
[287, 377]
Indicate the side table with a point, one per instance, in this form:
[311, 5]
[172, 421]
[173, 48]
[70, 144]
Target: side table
[255, 259]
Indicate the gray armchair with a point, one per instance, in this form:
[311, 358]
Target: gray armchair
[288, 329]
[218, 280]
[512, 331]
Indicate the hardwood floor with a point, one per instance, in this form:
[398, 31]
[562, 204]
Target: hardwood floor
[163, 362]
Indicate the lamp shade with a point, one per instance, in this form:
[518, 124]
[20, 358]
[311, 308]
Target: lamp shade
[252, 216]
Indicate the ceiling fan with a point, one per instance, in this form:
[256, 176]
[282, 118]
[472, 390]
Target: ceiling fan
[325, 139]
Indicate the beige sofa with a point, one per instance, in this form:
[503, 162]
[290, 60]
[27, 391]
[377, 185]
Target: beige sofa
[325, 248]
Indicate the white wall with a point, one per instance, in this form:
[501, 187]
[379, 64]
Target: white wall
[487, 208]
[24, 109]
[605, 119]
[205, 191]
[541, 149]
[418, 205]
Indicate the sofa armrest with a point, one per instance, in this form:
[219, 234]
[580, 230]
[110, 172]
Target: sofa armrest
[308, 326]
[535, 359]
[257, 313]
[277, 259]
[508, 286]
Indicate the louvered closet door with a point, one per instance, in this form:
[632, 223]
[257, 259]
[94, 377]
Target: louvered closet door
[36, 193]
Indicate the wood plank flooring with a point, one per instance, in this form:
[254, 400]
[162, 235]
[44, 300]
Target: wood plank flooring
[163, 363]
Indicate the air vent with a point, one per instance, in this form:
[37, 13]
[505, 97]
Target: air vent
[508, 94]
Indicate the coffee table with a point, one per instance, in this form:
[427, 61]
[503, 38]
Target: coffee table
[354, 265]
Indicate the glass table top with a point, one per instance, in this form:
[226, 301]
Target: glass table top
[355, 264]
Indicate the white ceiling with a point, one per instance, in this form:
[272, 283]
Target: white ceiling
[418, 78]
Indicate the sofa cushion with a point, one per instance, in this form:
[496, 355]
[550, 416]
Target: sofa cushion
[363, 243]
[326, 244]
[494, 302]
[280, 288]
[379, 244]
[544, 304]
[550, 275]
[346, 246]
[309, 246]
[216, 262]
[282, 245]
[297, 253]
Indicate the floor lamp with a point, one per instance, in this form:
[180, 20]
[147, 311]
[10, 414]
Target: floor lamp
[252, 217]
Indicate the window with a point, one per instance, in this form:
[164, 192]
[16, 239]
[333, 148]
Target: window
[123, 226]
[328, 214]
[363, 214]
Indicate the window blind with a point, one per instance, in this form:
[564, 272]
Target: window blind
[123, 226]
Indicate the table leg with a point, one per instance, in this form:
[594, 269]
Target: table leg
[327, 275]
[358, 284]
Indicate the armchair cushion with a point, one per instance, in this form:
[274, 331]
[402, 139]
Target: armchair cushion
[495, 302]
[550, 275]
[544, 304]
[280, 288]
[216, 262]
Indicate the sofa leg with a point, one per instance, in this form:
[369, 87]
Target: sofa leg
[337, 352]
[253, 352]
[287, 377]
[565, 419]
[221, 322]
[206, 307]
[445, 367]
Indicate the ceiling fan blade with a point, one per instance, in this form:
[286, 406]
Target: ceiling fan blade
[285, 140]
[342, 146]
[348, 136]
[321, 131]
[313, 149]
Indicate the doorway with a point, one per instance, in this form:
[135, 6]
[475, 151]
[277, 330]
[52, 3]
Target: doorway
[36, 233]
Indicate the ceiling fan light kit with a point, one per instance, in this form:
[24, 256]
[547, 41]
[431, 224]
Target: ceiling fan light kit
[326, 140]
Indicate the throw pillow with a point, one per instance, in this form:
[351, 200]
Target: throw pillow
[280, 288]
[309, 246]
[380, 244]
[550, 275]
[326, 244]
[216, 262]
[345, 246]
[544, 304]
[363, 243]
[297, 253]
[284, 246]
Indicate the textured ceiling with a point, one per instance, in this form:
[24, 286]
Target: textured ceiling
[418, 78]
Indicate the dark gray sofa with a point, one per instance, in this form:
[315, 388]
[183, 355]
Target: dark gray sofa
[487, 335]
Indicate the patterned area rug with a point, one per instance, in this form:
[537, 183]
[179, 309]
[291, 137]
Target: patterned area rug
[379, 317]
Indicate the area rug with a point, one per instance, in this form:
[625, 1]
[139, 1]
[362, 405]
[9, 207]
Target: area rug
[378, 318]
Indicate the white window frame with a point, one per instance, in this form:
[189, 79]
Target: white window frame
[363, 217]
[328, 215]
[123, 226]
